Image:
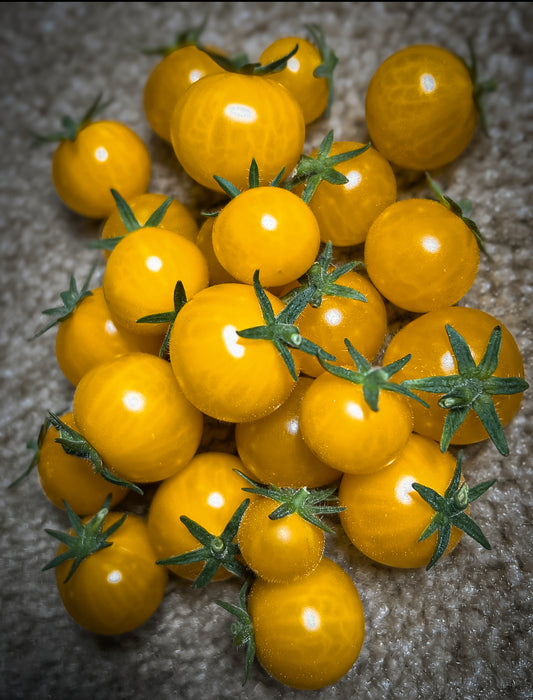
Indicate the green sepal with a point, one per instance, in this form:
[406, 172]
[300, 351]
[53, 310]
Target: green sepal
[180, 299]
[242, 628]
[450, 511]
[217, 550]
[34, 445]
[302, 501]
[70, 298]
[471, 388]
[89, 538]
[70, 127]
[240, 64]
[253, 181]
[76, 445]
[480, 88]
[329, 61]
[187, 37]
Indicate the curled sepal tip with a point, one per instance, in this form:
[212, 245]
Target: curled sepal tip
[71, 128]
[329, 61]
[242, 627]
[180, 299]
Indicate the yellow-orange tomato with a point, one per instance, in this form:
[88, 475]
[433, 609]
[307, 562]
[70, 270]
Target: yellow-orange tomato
[346, 212]
[420, 255]
[311, 92]
[225, 120]
[90, 336]
[208, 491]
[384, 516]
[273, 450]
[420, 109]
[267, 229]
[168, 81]
[141, 274]
[309, 632]
[132, 411]
[72, 479]
[118, 588]
[204, 241]
[105, 155]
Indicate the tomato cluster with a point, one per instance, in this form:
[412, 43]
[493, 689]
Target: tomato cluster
[253, 320]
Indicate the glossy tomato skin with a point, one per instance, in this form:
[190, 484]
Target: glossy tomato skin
[343, 431]
[419, 107]
[132, 411]
[309, 632]
[384, 516]
[432, 355]
[227, 377]
[274, 452]
[116, 589]
[420, 255]
[64, 477]
[224, 121]
[371, 187]
[168, 81]
[141, 275]
[281, 550]
[204, 241]
[90, 336]
[267, 229]
[311, 92]
[104, 155]
[208, 491]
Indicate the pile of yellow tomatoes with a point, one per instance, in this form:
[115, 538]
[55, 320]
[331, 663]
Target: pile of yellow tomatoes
[251, 319]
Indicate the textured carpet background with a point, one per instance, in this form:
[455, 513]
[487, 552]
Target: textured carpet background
[461, 631]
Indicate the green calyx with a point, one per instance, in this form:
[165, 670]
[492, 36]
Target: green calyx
[450, 510]
[253, 181]
[35, 446]
[372, 379]
[240, 64]
[480, 89]
[329, 61]
[70, 298]
[461, 209]
[217, 550]
[76, 445]
[180, 299]
[312, 170]
[89, 538]
[71, 128]
[324, 283]
[188, 37]
[303, 501]
[471, 389]
[242, 628]
[130, 221]
[280, 329]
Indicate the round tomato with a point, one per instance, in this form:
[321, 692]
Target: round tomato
[426, 339]
[267, 229]
[132, 411]
[225, 120]
[90, 336]
[118, 588]
[384, 516]
[141, 275]
[208, 491]
[420, 255]
[104, 155]
[420, 109]
[225, 376]
[309, 632]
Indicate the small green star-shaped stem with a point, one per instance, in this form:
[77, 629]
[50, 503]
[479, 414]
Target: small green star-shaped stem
[241, 64]
[71, 128]
[89, 537]
[180, 299]
[450, 510]
[471, 388]
[217, 550]
[480, 88]
[372, 379]
[242, 627]
[329, 61]
[253, 181]
[187, 37]
[280, 329]
[303, 501]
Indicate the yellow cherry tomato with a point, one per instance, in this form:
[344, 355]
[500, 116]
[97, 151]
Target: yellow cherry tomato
[267, 229]
[64, 477]
[420, 109]
[132, 411]
[90, 336]
[141, 275]
[309, 632]
[385, 516]
[420, 255]
[204, 241]
[225, 120]
[118, 588]
[105, 155]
